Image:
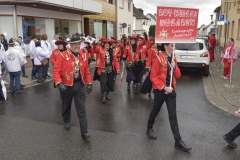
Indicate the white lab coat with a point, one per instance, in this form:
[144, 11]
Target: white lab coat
[53, 45]
[46, 48]
[32, 48]
[13, 59]
[40, 55]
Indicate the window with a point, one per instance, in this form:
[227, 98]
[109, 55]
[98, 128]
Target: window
[232, 29]
[189, 46]
[129, 29]
[98, 28]
[110, 1]
[120, 29]
[129, 6]
[121, 4]
[34, 26]
[238, 35]
[228, 30]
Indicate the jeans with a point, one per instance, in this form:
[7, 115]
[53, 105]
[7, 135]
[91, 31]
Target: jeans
[15, 81]
[45, 70]
[23, 70]
[5, 72]
[40, 73]
[34, 69]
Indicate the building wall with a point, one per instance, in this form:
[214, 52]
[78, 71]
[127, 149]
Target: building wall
[124, 16]
[233, 25]
[108, 14]
[151, 21]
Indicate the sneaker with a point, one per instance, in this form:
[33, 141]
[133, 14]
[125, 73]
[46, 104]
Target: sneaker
[24, 75]
[225, 77]
[5, 82]
[34, 79]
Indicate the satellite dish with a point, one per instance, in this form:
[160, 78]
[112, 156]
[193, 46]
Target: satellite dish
[124, 25]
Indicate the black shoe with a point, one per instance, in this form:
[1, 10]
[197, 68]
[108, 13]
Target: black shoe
[179, 144]
[12, 92]
[24, 75]
[151, 134]
[107, 96]
[104, 97]
[20, 92]
[230, 143]
[22, 86]
[39, 81]
[85, 135]
[129, 88]
[67, 126]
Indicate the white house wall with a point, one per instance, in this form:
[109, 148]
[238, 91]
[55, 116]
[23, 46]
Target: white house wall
[124, 16]
[6, 28]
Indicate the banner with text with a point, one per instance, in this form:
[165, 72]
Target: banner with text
[176, 25]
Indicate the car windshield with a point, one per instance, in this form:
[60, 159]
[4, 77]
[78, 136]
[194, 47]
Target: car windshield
[189, 46]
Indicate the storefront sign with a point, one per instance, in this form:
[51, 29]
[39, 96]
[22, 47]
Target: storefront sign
[176, 25]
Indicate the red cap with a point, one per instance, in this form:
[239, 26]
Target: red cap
[61, 42]
[107, 41]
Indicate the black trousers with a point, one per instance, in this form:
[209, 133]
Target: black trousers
[77, 91]
[106, 82]
[234, 133]
[130, 74]
[170, 100]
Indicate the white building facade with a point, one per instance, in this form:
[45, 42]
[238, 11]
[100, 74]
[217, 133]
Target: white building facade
[124, 15]
[152, 19]
[140, 22]
[37, 17]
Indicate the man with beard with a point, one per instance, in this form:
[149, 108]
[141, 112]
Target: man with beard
[106, 63]
[71, 74]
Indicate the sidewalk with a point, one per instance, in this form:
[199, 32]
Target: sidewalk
[28, 82]
[219, 91]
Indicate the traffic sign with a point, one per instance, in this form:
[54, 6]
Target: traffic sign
[124, 25]
[220, 17]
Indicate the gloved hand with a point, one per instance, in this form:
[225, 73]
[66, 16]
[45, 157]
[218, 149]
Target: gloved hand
[89, 88]
[124, 59]
[89, 60]
[62, 87]
[146, 69]
[94, 60]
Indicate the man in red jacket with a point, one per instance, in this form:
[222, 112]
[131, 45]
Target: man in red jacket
[211, 46]
[163, 91]
[71, 74]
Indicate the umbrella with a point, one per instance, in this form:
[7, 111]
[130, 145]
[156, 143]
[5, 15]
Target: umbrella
[121, 78]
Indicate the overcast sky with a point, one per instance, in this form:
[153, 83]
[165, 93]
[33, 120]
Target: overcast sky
[206, 7]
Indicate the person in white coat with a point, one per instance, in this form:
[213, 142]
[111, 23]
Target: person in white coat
[2, 52]
[32, 53]
[38, 57]
[53, 45]
[46, 48]
[24, 49]
[14, 60]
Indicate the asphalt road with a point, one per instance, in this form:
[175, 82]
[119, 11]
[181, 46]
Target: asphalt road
[32, 127]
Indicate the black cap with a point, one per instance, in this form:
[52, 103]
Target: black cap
[75, 40]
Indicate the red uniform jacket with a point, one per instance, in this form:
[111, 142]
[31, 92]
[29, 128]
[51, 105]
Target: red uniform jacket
[159, 72]
[144, 53]
[89, 53]
[63, 70]
[152, 53]
[54, 55]
[100, 61]
[128, 53]
[137, 54]
[212, 42]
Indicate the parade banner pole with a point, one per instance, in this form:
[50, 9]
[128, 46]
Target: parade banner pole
[173, 54]
[121, 78]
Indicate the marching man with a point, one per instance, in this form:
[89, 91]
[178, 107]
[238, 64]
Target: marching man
[71, 74]
[230, 52]
[164, 92]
